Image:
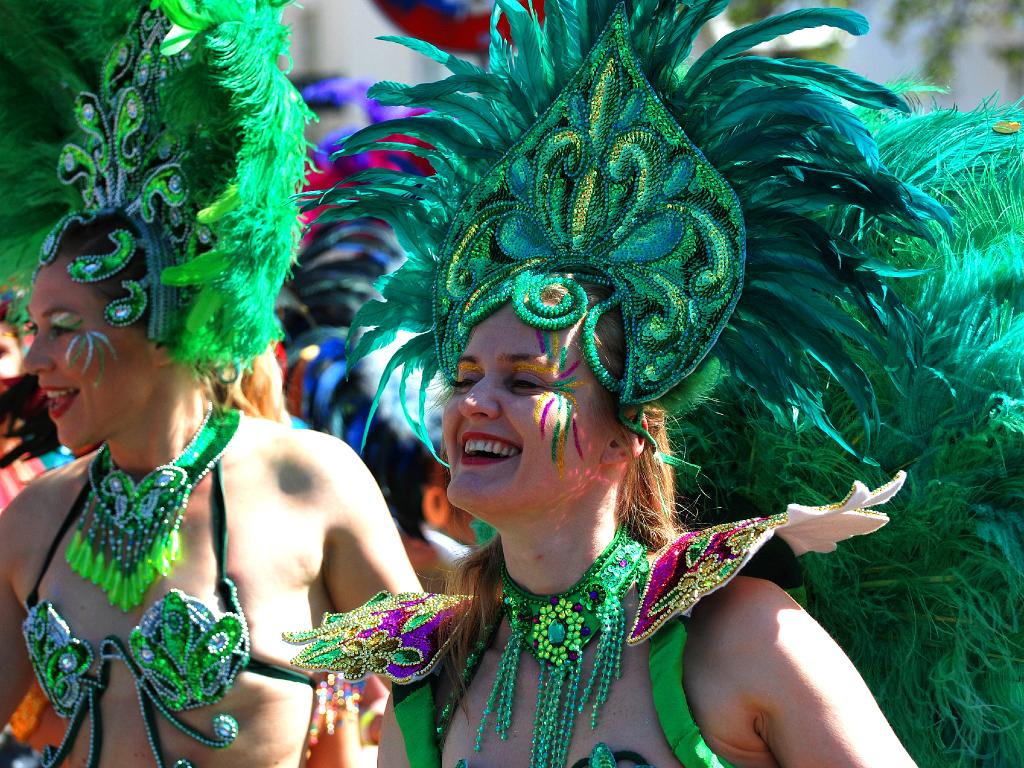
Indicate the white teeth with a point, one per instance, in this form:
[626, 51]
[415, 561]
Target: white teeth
[492, 447]
[53, 394]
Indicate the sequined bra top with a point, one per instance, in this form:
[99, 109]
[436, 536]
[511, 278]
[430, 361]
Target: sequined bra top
[181, 655]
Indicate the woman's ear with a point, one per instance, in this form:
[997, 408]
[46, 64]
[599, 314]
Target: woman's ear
[161, 355]
[625, 445]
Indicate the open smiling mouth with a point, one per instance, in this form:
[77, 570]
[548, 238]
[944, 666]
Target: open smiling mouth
[59, 400]
[480, 451]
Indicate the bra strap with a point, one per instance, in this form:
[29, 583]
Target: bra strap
[76, 508]
[219, 524]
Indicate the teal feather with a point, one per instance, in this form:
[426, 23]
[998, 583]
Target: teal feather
[804, 167]
[452, 63]
[782, 72]
[745, 38]
[939, 589]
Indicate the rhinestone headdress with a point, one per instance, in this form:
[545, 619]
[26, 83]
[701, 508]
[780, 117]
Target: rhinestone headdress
[701, 197]
[176, 128]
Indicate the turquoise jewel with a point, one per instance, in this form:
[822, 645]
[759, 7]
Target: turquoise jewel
[556, 632]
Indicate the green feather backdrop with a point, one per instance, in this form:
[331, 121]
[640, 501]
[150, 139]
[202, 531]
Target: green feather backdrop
[929, 608]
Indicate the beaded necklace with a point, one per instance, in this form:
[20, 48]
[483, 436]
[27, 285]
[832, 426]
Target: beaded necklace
[130, 536]
[556, 629]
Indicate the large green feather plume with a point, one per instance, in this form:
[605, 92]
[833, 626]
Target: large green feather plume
[782, 133]
[929, 607]
[242, 124]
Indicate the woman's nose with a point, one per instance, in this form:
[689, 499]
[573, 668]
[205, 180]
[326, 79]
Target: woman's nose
[37, 359]
[480, 400]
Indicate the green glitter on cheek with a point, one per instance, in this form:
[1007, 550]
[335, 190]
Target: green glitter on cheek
[90, 345]
[559, 403]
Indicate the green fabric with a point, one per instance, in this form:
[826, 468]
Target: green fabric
[416, 713]
[681, 732]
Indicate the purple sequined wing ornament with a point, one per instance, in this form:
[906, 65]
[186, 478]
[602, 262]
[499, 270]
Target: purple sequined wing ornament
[697, 564]
[398, 636]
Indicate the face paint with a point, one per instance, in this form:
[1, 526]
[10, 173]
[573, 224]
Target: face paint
[89, 345]
[558, 405]
[467, 369]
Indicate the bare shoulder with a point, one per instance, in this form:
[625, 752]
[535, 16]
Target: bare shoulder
[755, 657]
[759, 639]
[755, 605]
[307, 465]
[31, 521]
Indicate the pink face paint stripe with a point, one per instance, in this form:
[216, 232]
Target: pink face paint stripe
[568, 373]
[542, 341]
[544, 414]
[576, 438]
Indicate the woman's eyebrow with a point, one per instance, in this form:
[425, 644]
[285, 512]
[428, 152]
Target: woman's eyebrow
[50, 312]
[507, 358]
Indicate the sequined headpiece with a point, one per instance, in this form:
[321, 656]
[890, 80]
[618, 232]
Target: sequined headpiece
[174, 127]
[698, 196]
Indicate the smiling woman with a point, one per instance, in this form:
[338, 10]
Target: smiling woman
[152, 577]
[609, 232]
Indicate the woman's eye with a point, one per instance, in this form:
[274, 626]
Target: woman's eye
[525, 384]
[462, 385]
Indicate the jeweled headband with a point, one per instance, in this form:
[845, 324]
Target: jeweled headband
[697, 195]
[182, 137]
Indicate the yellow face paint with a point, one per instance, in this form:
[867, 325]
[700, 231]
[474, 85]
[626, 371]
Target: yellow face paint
[557, 406]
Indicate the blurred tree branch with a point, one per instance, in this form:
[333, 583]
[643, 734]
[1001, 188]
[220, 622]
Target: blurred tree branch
[947, 24]
[943, 24]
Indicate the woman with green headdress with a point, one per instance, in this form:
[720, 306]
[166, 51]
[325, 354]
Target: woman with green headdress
[150, 155]
[612, 230]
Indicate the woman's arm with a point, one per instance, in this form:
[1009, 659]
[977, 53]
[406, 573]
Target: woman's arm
[763, 676]
[392, 745]
[17, 671]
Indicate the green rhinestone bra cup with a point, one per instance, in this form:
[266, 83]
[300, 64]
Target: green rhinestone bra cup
[130, 538]
[556, 630]
[182, 655]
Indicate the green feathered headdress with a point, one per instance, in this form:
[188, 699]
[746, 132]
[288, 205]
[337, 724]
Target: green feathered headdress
[697, 195]
[174, 122]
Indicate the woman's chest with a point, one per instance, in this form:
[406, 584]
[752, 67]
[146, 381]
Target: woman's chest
[546, 716]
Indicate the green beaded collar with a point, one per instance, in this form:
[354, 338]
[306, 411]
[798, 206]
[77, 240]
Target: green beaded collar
[557, 630]
[130, 537]
[558, 627]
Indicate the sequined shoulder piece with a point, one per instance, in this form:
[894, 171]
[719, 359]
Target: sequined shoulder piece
[700, 562]
[398, 636]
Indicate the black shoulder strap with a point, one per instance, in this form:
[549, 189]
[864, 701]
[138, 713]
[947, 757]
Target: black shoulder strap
[72, 515]
[219, 523]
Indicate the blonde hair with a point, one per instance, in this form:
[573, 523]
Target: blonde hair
[257, 392]
[645, 505]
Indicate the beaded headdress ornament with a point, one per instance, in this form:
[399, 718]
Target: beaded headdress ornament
[698, 197]
[172, 127]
